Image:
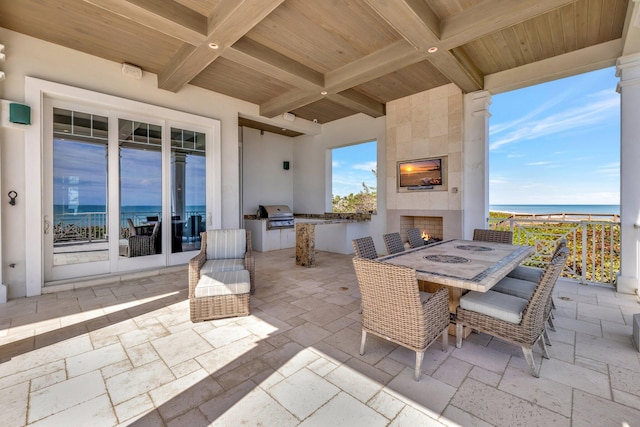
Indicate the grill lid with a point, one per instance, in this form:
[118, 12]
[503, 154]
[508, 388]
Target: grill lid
[275, 211]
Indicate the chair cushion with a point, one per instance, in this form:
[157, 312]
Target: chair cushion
[516, 287]
[225, 244]
[217, 265]
[523, 272]
[495, 304]
[223, 283]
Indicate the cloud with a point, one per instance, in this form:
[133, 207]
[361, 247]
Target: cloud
[579, 117]
[336, 164]
[538, 163]
[368, 166]
[611, 169]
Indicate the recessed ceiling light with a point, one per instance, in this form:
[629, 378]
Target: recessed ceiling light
[213, 45]
[324, 92]
[432, 49]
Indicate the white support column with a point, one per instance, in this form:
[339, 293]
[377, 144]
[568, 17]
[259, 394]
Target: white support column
[475, 158]
[628, 69]
[3, 287]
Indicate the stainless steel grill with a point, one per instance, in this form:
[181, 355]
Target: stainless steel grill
[278, 216]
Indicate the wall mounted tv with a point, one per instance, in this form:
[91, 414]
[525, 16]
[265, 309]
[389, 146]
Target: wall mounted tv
[422, 174]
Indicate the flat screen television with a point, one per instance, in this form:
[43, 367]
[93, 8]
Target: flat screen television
[420, 174]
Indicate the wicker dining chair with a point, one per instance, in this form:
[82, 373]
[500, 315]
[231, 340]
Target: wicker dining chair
[495, 236]
[511, 318]
[526, 281]
[393, 242]
[415, 237]
[364, 247]
[394, 309]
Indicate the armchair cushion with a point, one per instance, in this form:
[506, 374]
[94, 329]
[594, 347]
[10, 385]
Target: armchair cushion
[516, 287]
[495, 304]
[223, 283]
[216, 265]
[226, 244]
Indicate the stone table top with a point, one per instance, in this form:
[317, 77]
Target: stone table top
[465, 264]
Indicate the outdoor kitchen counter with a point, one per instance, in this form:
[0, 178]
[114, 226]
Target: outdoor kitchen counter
[306, 237]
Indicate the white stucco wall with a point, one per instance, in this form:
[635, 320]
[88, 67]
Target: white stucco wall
[27, 56]
[265, 182]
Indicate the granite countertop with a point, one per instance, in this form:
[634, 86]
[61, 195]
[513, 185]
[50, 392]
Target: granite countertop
[326, 218]
[331, 221]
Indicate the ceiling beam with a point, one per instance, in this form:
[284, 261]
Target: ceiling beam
[251, 54]
[257, 57]
[229, 21]
[357, 101]
[391, 58]
[415, 22]
[569, 64]
[169, 17]
[419, 25]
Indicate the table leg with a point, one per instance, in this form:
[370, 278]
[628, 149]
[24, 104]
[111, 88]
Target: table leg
[454, 301]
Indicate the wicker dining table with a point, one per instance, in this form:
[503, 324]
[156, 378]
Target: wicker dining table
[460, 265]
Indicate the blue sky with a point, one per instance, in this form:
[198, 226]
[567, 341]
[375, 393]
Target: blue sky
[557, 143]
[352, 166]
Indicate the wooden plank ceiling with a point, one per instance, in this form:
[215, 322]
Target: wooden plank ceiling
[325, 60]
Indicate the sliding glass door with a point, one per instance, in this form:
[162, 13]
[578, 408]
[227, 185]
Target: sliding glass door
[121, 193]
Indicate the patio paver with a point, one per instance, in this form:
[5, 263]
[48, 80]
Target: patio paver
[125, 353]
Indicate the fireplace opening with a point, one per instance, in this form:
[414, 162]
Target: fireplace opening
[430, 227]
[428, 238]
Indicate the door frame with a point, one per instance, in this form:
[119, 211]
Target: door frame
[36, 90]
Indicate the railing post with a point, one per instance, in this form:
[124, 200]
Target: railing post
[583, 279]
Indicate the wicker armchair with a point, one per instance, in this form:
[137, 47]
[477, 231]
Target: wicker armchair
[393, 242]
[393, 308]
[511, 318]
[415, 237]
[221, 251]
[364, 247]
[496, 236]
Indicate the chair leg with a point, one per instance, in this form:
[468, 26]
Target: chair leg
[418, 373]
[445, 339]
[543, 347]
[528, 355]
[551, 325]
[547, 341]
[362, 341]
[459, 331]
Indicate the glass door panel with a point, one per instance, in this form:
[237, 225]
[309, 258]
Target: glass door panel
[76, 234]
[140, 146]
[79, 187]
[188, 189]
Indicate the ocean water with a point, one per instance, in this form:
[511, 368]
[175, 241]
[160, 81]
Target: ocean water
[552, 209]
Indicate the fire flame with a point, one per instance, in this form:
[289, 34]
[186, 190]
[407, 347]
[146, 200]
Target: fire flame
[425, 236]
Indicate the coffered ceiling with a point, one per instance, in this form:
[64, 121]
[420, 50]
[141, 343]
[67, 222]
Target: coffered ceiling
[329, 59]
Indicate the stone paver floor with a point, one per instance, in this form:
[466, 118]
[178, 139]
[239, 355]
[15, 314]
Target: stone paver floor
[127, 354]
